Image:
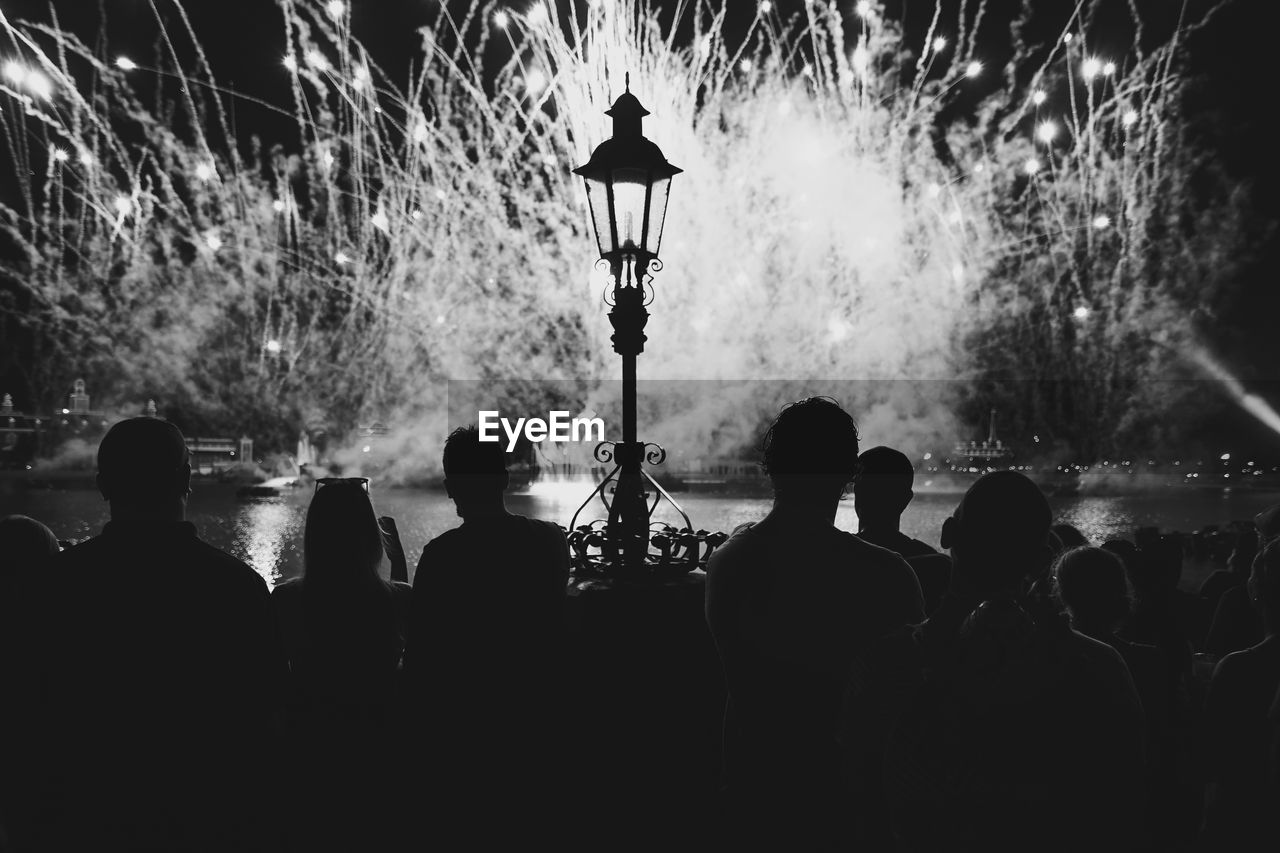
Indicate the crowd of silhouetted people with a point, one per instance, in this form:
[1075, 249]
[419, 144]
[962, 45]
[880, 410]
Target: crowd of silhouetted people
[1021, 688]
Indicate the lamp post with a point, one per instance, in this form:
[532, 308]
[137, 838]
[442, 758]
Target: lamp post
[638, 601]
[628, 183]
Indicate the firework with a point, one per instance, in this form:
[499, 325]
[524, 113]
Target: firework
[834, 219]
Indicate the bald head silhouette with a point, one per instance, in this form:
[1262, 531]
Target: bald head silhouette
[143, 464]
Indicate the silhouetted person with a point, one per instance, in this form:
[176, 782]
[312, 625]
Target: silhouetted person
[27, 548]
[485, 650]
[997, 733]
[1239, 563]
[1069, 536]
[790, 601]
[1240, 798]
[1091, 584]
[159, 670]
[1163, 615]
[1236, 623]
[343, 630]
[881, 493]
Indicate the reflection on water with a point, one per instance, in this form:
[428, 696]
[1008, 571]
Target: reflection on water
[264, 531]
[268, 533]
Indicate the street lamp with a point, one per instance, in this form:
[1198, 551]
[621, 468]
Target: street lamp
[628, 183]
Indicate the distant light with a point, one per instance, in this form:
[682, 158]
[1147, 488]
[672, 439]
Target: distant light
[364, 449]
[1031, 166]
[1109, 69]
[1047, 132]
[213, 241]
[15, 72]
[122, 204]
[86, 157]
[360, 78]
[1090, 68]
[328, 159]
[273, 346]
[1036, 439]
[416, 215]
[290, 63]
[1130, 118]
[439, 319]
[342, 258]
[1039, 97]
[1226, 457]
[441, 195]
[765, 7]
[939, 44]
[1102, 221]
[1081, 313]
[501, 19]
[1066, 39]
[973, 69]
[538, 14]
[205, 171]
[39, 85]
[861, 59]
[61, 155]
[335, 8]
[807, 71]
[380, 221]
[535, 81]
[420, 132]
[928, 456]
[863, 8]
[979, 167]
[124, 63]
[278, 206]
[746, 65]
[317, 60]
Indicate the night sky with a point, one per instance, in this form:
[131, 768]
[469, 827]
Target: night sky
[1232, 69]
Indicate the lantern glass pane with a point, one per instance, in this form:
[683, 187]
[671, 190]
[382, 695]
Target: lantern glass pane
[657, 213]
[629, 187]
[598, 199]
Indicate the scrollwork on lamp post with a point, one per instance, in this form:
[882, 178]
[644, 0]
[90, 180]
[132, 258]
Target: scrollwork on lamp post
[628, 183]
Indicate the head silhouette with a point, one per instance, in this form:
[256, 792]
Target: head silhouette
[25, 545]
[1069, 536]
[475, 471]
[1243, 551]
[1091, 584]
[1264, 584]
[342, 541]
[998, 535]
[882, 488]
[144, 467]
[1268, 524]
[811, 450]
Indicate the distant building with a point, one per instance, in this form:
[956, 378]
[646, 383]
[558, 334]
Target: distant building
[211, 455]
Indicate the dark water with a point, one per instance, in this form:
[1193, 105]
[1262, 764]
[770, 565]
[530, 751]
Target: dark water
[268, 533]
